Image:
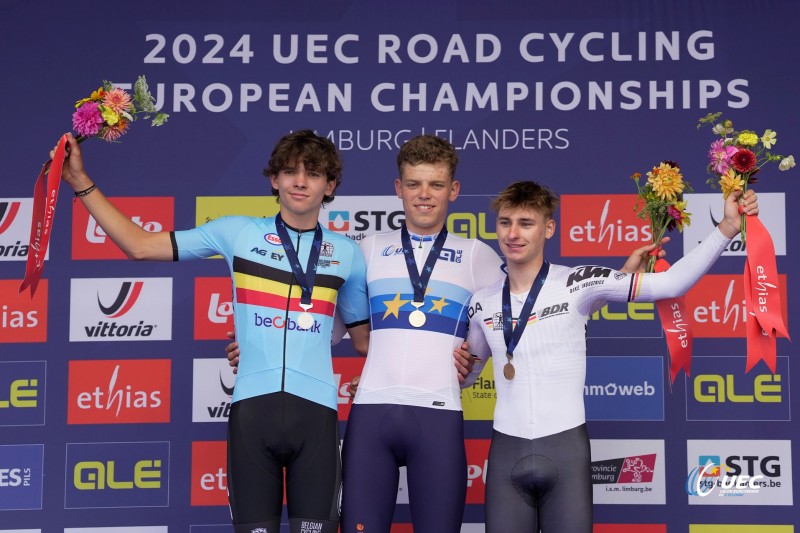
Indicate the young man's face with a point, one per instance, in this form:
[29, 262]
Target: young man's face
[521, 233]
[426, 190]
[301, 192]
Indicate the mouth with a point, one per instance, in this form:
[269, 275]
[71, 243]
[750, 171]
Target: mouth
[424, 207]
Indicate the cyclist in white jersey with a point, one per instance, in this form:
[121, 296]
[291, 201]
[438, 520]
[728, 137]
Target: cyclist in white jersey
[538, 472]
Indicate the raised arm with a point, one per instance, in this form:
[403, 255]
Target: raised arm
[137, 243]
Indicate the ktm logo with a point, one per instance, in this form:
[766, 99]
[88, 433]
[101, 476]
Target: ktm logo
[8, 212]
[126, 298]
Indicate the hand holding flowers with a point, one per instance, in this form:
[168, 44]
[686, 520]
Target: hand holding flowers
[737, 156]
[661, 201]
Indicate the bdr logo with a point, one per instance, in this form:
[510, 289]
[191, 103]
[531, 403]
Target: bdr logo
[22, 388]
[117, 474]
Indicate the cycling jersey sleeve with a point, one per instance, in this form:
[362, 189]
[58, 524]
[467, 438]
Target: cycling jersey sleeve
[352, 304]
[478, 346]
[680, 277]
[487, 267]
[215, 237]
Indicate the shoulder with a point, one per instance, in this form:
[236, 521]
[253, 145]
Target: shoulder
[340, 241]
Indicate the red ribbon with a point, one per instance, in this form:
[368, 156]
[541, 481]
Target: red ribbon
[762, 297]
[45, 196]
[677, 329]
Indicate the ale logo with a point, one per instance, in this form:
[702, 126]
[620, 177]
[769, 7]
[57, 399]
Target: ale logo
[117, 474]
[121, 309]
[22, 391]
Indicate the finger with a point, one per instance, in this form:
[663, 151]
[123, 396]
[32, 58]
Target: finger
[230, 334]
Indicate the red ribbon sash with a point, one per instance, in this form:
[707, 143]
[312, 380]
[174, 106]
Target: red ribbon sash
[45, 195]
[762, 297]
[677, 329]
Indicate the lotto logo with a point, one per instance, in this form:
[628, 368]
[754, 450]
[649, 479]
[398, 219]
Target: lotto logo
[89, 241]
[344, 370]
[213, 308]
[477, 462]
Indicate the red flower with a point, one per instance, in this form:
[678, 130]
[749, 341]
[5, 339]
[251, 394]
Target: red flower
[743, 161]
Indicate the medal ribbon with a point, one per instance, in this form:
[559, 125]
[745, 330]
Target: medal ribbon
[512, 339]
[44, 210]
[304, 279]
[420, 282]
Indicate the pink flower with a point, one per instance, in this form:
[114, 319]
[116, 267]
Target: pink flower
[112, 133]
[720, 156]
[87, 120]
[744, 161]
[117, 100]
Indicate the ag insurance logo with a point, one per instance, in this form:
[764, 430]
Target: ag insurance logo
[15, 228]
[213, 308]
[119, 392]
[89, 241]
[119, 309]
[117, 474]
[212, 388]
[22, 390]
[22, 319]
[21, 469]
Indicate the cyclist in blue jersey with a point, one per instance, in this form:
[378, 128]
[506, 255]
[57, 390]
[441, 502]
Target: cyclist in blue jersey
[289, 276]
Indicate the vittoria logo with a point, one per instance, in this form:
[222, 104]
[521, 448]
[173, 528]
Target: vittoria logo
[15, 217]
[212, 388]
[121, 309]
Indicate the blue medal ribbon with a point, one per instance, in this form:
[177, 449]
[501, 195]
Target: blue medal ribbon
[512, 339]
[304, 279]
[420, 282]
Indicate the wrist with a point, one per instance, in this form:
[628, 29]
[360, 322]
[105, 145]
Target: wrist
[728, 228]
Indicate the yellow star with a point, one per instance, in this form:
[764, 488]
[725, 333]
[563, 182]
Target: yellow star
[438, 305]
[393, 306]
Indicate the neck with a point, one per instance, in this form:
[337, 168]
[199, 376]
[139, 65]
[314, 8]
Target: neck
[522, 275]
[302, 222]
[433, 230]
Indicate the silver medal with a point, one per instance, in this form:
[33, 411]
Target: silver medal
[304, 319]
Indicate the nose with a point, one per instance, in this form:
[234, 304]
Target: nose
[301, 180]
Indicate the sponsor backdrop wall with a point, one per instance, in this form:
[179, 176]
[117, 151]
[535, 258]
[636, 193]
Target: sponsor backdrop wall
[113, 387]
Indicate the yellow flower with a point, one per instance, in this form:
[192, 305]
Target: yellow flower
[747, 139]
[769, 138]
[729, 182]
[666, 181]
[96, 96]
[109, 116]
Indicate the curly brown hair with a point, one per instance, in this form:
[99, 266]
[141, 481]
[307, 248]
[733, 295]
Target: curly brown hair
[315, 152]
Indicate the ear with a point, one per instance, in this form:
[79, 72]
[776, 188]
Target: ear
[398, 185]
[273, 180]
[550, 228]
[330, 187]
[455, 188]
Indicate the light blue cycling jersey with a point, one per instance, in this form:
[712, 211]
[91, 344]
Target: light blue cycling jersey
[276, 354]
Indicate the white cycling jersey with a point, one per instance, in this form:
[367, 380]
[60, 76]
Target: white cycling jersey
[414, 366]
[545, 396]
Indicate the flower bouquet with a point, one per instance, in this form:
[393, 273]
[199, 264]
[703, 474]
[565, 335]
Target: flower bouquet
[734, 160]
[737, 156]
[660, 200]
[107, 114]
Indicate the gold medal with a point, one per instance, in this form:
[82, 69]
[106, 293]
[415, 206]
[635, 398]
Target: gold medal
[417, 318]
